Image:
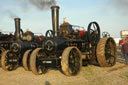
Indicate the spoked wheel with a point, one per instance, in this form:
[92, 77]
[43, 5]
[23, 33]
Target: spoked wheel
[94, 32]
[9, 61]
[26, 59]
[49, 33]
[105, 34]
[1, 51]
[34, 62]
[106, 52]
[71, 61]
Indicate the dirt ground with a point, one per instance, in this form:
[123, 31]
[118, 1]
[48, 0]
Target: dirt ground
[89, 75]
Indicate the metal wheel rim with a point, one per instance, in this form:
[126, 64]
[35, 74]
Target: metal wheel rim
[7, 66]
[106, 52]
[37, 69]
[74, 63]
[26, 60]
[109, 53]
[1, 50]
[11, 66]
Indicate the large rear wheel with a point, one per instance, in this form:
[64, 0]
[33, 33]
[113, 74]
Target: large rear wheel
[71, 61]
[106, 52]
[36, 68]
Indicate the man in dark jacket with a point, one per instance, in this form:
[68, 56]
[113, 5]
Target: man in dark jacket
[124, 50]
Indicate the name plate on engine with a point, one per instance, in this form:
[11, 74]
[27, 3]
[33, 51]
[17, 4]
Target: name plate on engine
[47, 62]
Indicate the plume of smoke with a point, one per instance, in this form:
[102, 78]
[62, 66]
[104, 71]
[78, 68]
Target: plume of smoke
[39, 4]
[119, 5]
[43, 4]
[26, 6]
[12, 15]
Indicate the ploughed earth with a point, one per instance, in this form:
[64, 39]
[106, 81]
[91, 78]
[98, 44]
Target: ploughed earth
[89, 75]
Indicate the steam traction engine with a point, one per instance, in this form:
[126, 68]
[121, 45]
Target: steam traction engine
[12, 57]
[66, 48]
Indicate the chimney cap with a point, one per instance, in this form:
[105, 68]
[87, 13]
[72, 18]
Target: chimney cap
[16, 19]
[52, 7]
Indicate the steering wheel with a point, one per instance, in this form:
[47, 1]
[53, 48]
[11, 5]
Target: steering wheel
[105, 34]
[93, 33]
[49, 33]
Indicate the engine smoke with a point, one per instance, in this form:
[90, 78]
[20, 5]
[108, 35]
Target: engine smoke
[119, 5]
[12, 15]
[26, 6]
[43, 4]
[39, 4]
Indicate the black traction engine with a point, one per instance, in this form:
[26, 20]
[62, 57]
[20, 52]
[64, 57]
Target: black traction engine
[16, 53]
[68, 48]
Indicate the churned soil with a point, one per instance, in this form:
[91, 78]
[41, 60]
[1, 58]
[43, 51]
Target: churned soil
[89, 75]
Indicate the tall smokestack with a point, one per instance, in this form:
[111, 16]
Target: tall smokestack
[55, 19]
[17, 28]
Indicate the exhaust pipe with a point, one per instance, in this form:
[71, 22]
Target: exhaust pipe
[55, 19]
[17, 29]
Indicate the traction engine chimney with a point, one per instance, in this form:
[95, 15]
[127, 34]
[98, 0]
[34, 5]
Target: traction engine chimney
[55, 19]
[17, 29]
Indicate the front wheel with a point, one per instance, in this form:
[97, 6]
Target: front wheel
[36, 68]
[26, 59]
[71, 61]
[9, 61]
[1, 51]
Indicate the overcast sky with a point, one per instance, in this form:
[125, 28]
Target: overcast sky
[112, 15]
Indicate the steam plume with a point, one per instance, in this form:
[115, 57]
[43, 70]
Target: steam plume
[40, 4]
[12, 15]
[118, 5]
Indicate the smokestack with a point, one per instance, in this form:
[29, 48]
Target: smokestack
[17, 29]
[55, 19]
